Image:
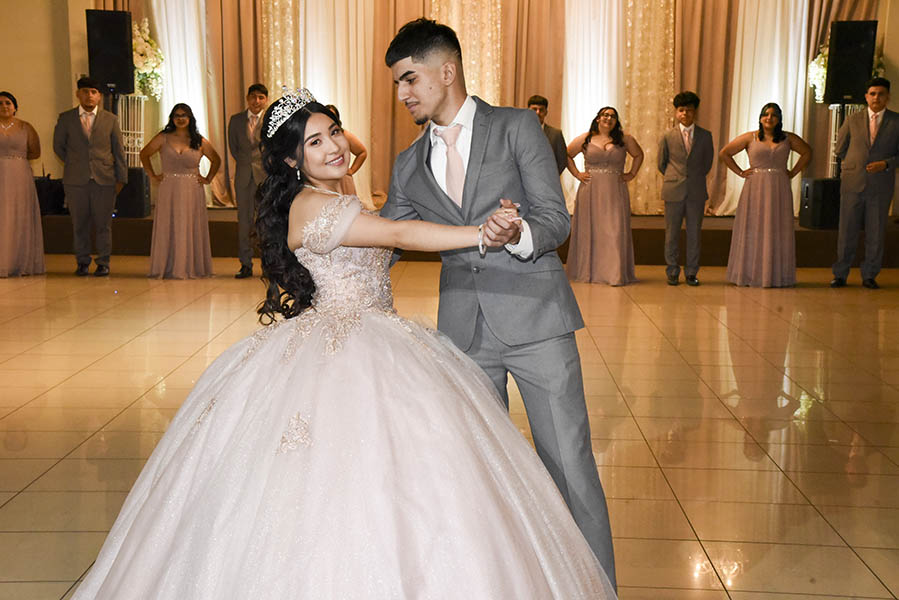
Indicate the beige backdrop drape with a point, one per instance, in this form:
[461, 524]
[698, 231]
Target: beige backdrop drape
[233, 63]
[137, 8]
[704, 46]
[648, 89]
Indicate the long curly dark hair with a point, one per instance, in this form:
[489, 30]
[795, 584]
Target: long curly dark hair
[196, 140]
[617, 134]
[779, 134]
[289, 285]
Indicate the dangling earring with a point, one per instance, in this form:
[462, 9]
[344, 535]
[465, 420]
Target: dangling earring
[299, 176]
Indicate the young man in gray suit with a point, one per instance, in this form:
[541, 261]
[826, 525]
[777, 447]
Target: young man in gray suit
[868, 148]
[243, 143]
[540, 106]
[685, 158]
[89, 141]
[511, 309]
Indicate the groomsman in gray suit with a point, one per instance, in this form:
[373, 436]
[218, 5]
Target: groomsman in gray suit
[868, 148]
[685, 158]
[89, 141]
[243, 143]
[540, 105]
[510, 308]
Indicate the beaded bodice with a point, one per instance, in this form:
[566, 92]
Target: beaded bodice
[14, 144]
[764, 157]
[347, 280]
[185, 162]
[611, 158]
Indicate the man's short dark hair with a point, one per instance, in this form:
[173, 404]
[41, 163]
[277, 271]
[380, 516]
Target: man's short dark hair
[878, 82]
[538, 100]
[418, 38]
[686, 99]
[89, 82]
[258, 87]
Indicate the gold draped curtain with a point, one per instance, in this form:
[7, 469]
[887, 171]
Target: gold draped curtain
[648, 89]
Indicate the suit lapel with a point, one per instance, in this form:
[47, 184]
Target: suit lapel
[442, 202]
[480, 131]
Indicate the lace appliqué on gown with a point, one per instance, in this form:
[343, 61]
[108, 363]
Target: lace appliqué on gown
[296, 435]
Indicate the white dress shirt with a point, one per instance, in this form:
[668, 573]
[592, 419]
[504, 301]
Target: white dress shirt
[465, 117]
[82, 112]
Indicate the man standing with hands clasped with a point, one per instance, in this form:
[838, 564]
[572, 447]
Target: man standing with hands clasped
[868, 148]
[509, 308]
[685, 158]
[89, 141]
[243, 143]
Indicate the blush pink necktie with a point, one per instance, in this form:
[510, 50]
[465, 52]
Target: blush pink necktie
[688, 143]
[86, 122]
[251, 128]
[455, 171]
[872, 128]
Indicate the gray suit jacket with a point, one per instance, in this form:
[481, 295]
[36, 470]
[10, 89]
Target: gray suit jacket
[523, 301]
[245, 152]
[684, 175]
[102, 158]
[557, 143]
[855, 151]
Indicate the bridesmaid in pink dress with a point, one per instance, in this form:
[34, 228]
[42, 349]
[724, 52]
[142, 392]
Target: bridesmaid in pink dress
[602, 247]
[763, 244]
[21, 237]
[180, 246]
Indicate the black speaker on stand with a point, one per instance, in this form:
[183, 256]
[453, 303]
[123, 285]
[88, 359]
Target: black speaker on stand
[850, 63]
[109, 53]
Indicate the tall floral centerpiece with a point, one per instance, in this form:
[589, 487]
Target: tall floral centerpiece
[147, 60]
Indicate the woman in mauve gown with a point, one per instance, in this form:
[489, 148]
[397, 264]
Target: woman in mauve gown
[21, 237]
[341, 451]
[602, 247]
[180, 245]
[763, 243]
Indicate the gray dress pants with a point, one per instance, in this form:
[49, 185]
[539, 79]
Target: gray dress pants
[91, 207]
[548, 374]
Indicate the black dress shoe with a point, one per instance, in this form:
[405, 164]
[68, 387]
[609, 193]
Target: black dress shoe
[83, 270]
[244, 272]
[101, 271]
[672, 280]
[870, 284]
[691, 280]
[837, 282]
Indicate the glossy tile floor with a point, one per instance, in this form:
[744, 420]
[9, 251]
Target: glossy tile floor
[748, 440]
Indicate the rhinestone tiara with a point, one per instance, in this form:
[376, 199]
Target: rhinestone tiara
[288, 104]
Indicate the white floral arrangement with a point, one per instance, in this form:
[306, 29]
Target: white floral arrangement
[817, 74]
[148, 60]
[817, 71]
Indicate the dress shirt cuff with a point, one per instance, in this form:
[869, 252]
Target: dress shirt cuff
[525, 246]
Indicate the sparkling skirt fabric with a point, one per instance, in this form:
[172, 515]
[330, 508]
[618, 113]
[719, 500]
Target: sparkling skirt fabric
[345, 453]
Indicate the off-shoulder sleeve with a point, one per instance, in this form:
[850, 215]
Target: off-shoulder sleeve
[325, 232]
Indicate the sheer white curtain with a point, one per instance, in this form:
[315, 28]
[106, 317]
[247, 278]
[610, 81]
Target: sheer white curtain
[337, 47]
[593, 74]
[181, 27]
[771, 47]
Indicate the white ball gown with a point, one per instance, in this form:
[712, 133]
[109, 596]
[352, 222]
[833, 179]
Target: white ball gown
[344, 453]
